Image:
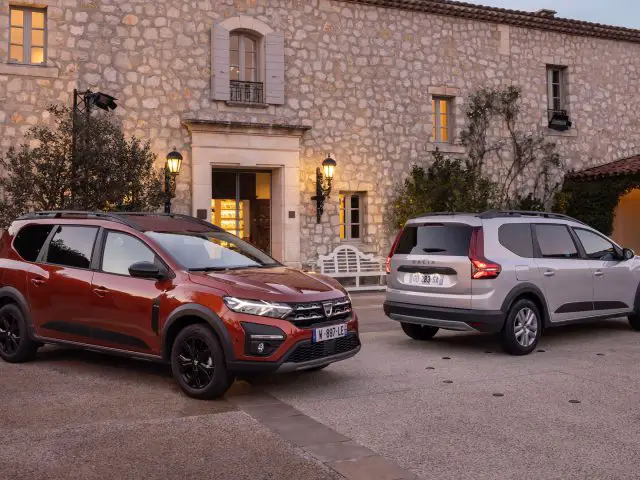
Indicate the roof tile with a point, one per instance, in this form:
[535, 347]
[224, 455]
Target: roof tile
[537, 20]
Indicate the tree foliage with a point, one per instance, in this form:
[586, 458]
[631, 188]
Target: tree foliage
[504, 167]
[594, 202]
[109, 171]
[447, 185]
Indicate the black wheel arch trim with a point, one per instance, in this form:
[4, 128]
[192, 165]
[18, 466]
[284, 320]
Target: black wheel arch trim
[524, 289]
[636, 306]
[207, 315]
[18, 298]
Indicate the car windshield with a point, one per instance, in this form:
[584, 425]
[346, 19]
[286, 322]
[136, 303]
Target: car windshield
[212, 250]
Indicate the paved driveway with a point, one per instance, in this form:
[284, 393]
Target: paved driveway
[454, 408]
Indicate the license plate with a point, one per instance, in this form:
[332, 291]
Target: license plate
[434, 279]
[328, 333]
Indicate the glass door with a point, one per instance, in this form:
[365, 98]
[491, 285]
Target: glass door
[241, 205]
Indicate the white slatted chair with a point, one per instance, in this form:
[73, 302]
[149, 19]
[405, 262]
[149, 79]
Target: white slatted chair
[346, 261]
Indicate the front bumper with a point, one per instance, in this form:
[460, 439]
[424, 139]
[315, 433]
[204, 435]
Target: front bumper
[487, 321]
[303, 355]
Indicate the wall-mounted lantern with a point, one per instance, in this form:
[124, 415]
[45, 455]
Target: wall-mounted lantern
[324, 177]
[171, 171]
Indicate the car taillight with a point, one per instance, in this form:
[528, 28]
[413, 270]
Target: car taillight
[481, 268]
[387, 265]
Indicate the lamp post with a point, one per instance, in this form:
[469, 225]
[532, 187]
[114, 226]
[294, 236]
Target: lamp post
[171, 171]
[324, 177]
[82, 103]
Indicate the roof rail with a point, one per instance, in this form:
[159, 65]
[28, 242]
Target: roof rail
[525, 213]
[113, 216]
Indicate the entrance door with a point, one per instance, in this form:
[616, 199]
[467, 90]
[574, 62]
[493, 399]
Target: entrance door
[241, 205]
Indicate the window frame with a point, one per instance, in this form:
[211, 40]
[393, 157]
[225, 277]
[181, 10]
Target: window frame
[99, 267]
[501, 230]
[27, 30]
[347, 224]
[538, 249]
[44, 252]
[436, 119]
[617, 249]
[242, 35]
[562, 88]
[44, 245]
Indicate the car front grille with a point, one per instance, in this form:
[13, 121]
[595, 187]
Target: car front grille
[312, 314]
[308, 351]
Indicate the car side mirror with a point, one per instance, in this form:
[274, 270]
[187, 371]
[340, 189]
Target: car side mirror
[628, 254]
[146, 270]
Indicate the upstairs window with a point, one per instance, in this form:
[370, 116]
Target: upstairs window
[27, 37]
[441, 108]
[244, 74]
[556, 86]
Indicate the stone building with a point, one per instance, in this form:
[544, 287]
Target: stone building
[254, 93]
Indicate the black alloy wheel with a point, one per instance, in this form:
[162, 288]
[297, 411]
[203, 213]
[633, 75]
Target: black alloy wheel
[15, 344]
[198, 363]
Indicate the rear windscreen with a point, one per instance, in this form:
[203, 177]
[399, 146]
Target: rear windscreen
[435, 239]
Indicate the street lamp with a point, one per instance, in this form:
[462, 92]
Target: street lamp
[171, 171]
[82, 103]
[324, 177]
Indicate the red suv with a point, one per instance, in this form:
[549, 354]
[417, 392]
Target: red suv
[168, 288]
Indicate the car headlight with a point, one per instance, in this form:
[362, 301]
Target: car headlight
[262, 308]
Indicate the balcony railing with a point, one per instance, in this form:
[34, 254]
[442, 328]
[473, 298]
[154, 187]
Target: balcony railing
[247, 92]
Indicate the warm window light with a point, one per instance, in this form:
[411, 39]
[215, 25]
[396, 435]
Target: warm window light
[329, 167]
[174, 162]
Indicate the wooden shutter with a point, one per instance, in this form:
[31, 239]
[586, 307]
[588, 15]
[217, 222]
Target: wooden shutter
[274, 68]
[220, 63]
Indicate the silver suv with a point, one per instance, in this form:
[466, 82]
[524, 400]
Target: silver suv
[511, 272]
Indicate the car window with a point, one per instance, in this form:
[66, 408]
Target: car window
[30, 239]
[212, 250]
[596, 246]
[555, 242]
[72, 246]
[517, 238]
[435, 239]
[121, 251]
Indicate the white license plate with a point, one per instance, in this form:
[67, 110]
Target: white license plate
[329, 333]
[434, 279]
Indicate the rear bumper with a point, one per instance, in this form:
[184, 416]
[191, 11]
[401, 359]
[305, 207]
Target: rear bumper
[304, 356]
[487, 321]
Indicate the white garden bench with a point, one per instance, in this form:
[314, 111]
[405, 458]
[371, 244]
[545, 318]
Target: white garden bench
[347, 262]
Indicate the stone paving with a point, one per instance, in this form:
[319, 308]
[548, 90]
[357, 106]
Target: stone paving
[448, 409]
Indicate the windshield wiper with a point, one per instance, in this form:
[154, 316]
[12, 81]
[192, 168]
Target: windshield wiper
[221, 269]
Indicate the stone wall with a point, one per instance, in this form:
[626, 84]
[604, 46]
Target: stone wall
[361, 76]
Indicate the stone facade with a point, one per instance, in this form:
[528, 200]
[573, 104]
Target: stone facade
[360, 76]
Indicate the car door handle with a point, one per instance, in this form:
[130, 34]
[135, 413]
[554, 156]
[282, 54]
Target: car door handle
[599, 273]
[100, 291]
[549, 273]
[37, 281]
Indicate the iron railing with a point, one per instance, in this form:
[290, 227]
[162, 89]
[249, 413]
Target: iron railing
[247, 92]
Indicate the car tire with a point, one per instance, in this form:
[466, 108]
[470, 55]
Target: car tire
[198, 363]
[15, 344]
[419, 332]
[634, 321]
[522, 329]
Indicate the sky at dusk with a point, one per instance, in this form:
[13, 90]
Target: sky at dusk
[624, 13]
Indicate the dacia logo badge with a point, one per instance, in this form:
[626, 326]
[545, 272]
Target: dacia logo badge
[328, 309]
[423, 262]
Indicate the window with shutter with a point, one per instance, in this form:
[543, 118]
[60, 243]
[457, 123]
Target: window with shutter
[247, 60]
